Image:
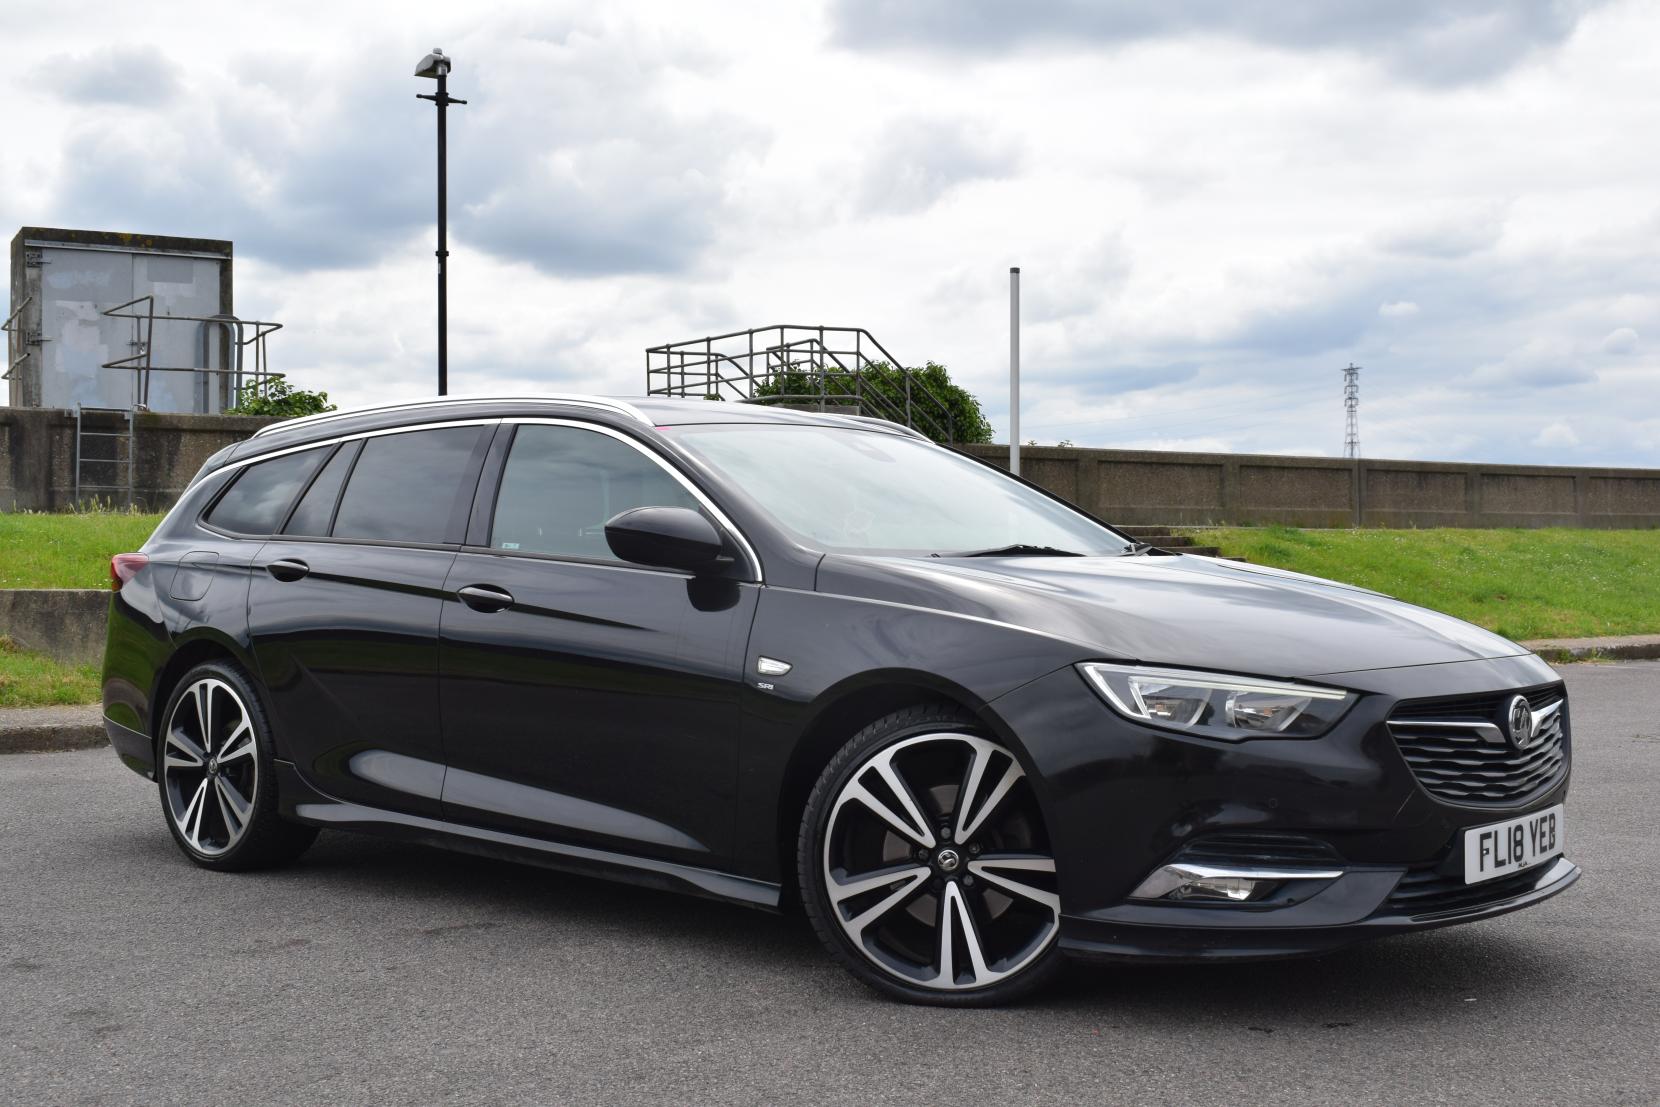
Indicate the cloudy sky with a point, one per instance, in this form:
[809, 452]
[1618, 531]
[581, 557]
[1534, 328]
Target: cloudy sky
[1216, 204]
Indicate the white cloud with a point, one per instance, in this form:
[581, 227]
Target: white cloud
[1622, 340]
[1557, 435]
[126, 76]
[915, 162]
[1215, 206]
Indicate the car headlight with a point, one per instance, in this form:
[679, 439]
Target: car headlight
[1217, 705]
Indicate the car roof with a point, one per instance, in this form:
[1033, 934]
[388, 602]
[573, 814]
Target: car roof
[646, 412]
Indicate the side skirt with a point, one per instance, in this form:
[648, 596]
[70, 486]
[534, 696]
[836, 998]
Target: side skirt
[300, 801]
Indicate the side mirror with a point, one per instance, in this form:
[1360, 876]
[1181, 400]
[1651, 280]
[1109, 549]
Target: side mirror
[668, 537]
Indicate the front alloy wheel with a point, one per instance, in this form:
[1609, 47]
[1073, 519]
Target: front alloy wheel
[933, 876]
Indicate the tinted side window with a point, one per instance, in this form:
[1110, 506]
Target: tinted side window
[561, 485]
[316, 508]
[404, 486]
[260, 496]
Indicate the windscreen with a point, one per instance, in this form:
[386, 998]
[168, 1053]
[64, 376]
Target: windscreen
[862, 491]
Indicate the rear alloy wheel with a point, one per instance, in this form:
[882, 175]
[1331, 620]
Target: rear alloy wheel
[932, 876]
[216, 785]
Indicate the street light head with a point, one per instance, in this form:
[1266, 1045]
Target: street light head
[434, 65]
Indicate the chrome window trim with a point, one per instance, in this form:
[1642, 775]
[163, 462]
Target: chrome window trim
[231, 466]
[759, 577]
[354, 436]
[619, 407]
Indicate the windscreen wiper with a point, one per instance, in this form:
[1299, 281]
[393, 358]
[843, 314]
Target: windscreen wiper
[1018, 549]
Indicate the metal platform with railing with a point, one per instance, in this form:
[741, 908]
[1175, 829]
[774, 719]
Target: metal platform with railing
[829, 368]
[238, 336]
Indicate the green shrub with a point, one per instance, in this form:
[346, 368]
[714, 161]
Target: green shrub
[887, 385]
[277, 397]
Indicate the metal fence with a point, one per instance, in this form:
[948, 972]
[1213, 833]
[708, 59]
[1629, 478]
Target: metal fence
[829, 367]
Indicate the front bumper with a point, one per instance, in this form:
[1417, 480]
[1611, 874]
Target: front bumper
[1120, 800]
[1211, 934]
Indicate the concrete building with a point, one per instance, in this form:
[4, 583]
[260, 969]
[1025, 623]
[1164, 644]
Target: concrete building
[120, 322]
[122, 354]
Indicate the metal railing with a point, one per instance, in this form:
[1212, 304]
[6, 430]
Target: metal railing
[238, 340]
[788, 363]
[16, 338]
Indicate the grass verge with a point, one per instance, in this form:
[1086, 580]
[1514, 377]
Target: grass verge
[67, 551]
[34, 680]
[1523, 584]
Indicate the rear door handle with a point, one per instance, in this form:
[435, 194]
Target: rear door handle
[485, 597]
[288, 569]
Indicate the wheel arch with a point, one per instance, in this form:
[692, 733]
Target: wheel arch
[838, 714]
[202, 646]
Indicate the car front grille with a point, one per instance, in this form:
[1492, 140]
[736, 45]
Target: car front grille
[1458, 749]
[1425, 891]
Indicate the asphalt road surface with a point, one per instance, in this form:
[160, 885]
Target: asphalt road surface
[379, 972]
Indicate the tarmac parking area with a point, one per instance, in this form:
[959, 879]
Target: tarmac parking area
[375, 971]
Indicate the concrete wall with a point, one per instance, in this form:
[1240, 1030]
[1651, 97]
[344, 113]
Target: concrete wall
[64, 623]
[1137, 487]
[37, 455]
[37, 472]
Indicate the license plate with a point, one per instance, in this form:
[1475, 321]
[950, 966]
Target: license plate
[1500, 849]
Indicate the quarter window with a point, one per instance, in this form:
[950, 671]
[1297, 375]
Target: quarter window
[562, 484]
[259, 497]
[404, 486]
[316, 508]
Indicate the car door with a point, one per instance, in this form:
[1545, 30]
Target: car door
[343, 613]
[585, 699]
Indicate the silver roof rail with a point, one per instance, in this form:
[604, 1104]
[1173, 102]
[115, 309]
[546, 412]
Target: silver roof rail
[889, 423]
[620, 407]
[865, 421]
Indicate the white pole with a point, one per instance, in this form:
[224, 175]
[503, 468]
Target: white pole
[1014, 370]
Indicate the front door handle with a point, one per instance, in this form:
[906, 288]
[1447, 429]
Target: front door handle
[288, 569]
[485, 597]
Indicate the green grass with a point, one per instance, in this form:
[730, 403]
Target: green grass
[1523, 584]
[67, 551]
[33, 680]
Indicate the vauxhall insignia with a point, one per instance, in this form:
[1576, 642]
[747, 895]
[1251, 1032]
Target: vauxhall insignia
[1519, 723]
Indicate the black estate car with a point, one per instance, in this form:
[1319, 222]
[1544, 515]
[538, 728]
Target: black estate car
[783, 658]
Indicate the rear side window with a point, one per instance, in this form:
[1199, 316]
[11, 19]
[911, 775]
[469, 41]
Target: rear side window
[259, 497]
[316, 509]
[404, 486]
[561, 485]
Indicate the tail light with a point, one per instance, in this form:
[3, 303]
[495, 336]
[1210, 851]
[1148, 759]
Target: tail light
[124, 567]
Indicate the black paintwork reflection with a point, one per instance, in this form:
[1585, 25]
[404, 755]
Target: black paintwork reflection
[605, 685]
[1190, 611]
[399, 773]
[565, 815]
[349, 656]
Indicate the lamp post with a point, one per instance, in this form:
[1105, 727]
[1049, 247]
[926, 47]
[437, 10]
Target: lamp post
[1014, 370]
[436, 66]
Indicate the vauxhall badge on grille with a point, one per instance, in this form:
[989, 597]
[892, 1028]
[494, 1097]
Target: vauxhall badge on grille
[1519, 717]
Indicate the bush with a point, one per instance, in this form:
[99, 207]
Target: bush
[884, 389]
[278, 397]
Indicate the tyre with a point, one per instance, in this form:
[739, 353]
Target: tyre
[218, 789]
[924, 864]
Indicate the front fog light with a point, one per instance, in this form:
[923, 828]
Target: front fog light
[1198, 883]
